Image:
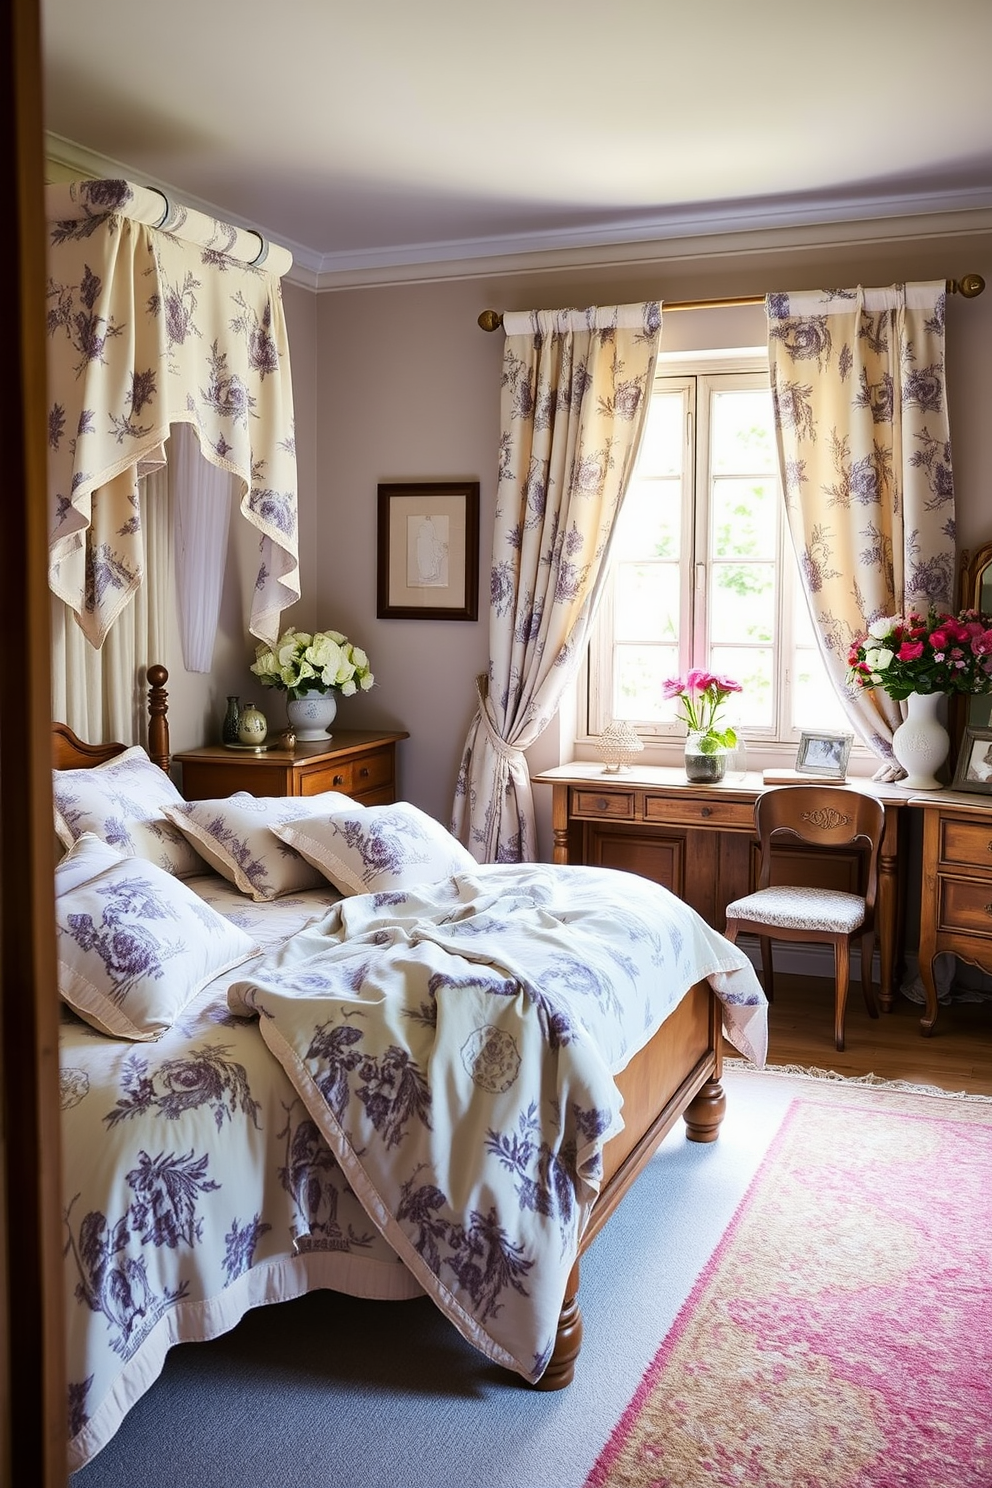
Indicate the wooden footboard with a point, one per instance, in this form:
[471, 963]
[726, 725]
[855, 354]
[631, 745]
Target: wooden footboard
[676, 1074]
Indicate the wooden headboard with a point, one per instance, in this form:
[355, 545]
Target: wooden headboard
[70, 753]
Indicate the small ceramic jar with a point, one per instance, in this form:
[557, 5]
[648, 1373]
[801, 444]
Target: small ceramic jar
[252, 725]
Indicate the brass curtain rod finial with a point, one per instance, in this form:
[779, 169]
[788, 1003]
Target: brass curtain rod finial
[490, 320]
[970, 286]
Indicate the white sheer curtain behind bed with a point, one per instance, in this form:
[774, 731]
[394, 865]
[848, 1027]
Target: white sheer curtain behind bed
[200, 495]
[99, 693]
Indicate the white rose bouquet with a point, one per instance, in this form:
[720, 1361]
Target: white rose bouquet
[324, 661]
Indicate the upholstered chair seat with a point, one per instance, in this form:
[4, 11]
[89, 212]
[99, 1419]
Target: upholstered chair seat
[825, 817]
[802, 908]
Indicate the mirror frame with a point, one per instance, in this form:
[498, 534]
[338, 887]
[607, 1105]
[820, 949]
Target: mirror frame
[972, 568]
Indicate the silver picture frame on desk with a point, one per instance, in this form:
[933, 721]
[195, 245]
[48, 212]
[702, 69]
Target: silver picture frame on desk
[824, 754]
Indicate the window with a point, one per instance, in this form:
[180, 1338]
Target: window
[703, 572]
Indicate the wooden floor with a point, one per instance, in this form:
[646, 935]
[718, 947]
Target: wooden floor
[956, 1056]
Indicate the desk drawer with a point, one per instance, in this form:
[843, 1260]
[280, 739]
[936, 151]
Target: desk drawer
[965, 904]
[674, 812]
[611, 805]
[967, 844]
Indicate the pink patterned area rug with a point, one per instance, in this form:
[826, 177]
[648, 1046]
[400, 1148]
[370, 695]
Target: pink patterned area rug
[841, 1335]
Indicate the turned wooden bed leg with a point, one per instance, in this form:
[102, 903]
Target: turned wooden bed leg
[561, 1370]
[705, 1112]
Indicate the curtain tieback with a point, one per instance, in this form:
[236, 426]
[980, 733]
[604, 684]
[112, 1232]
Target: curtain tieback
[507, 752]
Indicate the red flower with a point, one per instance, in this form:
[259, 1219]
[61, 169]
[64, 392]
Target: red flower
[910, 651]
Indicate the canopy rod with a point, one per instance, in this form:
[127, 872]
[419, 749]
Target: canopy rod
[968, 287]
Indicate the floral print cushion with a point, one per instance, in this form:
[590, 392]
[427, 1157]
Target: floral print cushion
[123, 803]
[233, 835]
[376, 849]
[134, 944]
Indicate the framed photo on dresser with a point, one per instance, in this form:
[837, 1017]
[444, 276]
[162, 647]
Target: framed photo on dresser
[973, 771]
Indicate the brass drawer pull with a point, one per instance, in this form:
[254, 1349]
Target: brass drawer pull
[364, 772]
[338, 780]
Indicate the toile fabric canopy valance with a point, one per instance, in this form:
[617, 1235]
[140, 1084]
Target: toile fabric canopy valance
[161, 316]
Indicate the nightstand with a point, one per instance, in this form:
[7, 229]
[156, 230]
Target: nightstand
[358, 764]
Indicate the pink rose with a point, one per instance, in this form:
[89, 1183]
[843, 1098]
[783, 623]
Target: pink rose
[910, 651]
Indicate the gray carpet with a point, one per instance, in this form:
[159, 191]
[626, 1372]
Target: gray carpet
[330, 1392]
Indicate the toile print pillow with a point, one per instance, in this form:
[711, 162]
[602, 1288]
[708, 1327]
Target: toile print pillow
[233, 836]
[376, 849]
[123, 802]
[134, 943]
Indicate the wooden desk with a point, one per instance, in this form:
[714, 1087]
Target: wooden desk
[956, 905]
[358, 764]
[698, 841]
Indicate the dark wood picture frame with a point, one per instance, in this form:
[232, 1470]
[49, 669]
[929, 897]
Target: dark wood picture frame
[428, 551]
[975, 743]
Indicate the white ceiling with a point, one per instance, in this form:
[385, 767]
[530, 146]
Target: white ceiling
[379, 132]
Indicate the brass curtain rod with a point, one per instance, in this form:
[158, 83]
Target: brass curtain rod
[968, 287]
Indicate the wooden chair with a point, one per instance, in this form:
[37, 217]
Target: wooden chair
[828, 816]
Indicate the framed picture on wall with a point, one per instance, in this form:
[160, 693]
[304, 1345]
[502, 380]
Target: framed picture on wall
[824, 754]
[428, 551]
[973, 771]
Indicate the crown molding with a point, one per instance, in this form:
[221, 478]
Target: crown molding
[723, 230]
[678, 234]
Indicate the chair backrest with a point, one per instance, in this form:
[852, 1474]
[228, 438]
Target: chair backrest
[826, 815]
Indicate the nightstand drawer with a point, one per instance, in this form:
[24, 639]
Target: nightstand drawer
[613, 805]
[967, 844]
[351, 776]
[965, 904]
[673, 811]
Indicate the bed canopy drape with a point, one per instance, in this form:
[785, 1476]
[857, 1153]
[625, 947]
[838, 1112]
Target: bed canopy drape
[159, 316]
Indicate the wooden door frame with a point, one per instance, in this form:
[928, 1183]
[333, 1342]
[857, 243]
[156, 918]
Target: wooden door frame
[33, 1424]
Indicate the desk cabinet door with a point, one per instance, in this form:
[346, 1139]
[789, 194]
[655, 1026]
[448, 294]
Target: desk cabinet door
[705, 868]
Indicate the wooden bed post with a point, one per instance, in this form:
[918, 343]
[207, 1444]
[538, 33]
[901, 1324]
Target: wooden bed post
[158, 722]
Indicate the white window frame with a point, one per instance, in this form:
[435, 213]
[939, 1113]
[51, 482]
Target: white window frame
[775, 744]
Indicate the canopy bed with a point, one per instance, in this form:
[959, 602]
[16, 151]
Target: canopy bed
[258, 1041]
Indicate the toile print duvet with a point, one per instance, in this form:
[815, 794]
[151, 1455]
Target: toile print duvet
[456, 1046]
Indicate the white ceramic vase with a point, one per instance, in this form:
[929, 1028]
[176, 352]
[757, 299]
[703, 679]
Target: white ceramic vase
[921, 742]
[310, 716]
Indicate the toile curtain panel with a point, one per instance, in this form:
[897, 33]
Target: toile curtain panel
[575, 393]
[857, 381]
